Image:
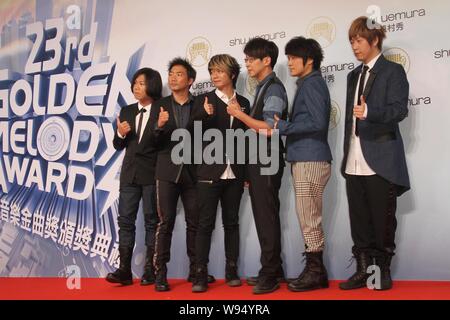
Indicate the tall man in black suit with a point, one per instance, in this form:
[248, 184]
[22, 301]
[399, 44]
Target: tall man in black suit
[137, 179]
[374, 162]
[174, 180]
[223, 181]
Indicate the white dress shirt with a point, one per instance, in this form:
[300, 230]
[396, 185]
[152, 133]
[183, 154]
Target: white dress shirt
[145, 118]
[228, 173]
[356, 164]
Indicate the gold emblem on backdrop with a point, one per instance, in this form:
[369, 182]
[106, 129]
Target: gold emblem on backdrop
[399, 56]
[323, 30]
[198, 51]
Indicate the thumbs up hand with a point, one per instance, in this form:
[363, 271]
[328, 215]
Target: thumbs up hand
[123, 127]
[276, 118]
[359, 110]
[163, 117]
[209, 108]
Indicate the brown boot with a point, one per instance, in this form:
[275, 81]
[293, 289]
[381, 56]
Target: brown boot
[314, 276]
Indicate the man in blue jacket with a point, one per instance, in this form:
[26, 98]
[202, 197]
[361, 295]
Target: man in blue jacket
[374, 164]
[309, 154]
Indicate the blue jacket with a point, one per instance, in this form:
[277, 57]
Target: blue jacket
[386, 93]
[307, 128]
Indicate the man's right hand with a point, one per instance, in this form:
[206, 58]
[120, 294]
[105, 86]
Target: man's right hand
[123, 127]
[163, 117]
[209, 108]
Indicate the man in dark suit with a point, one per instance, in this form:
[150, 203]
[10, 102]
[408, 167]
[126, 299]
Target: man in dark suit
[374, 162]
[224, 180]
[137, 179]
[174, 180]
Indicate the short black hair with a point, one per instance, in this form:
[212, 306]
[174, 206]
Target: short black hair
[305, 48]
[178, 61]
[153, 82]
[261, 48]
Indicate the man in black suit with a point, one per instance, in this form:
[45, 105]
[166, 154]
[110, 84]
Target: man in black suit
[222, 181]
[174, 180]
[137, 179]
[374, 162]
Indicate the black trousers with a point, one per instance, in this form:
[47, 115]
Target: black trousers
[209, 193]
[168, 194]
[372, 202]
[266, 212]
[129, 198]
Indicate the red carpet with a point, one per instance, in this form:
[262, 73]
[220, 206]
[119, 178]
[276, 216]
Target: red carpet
[99, 289]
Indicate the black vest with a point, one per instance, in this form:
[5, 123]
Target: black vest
[257, 113]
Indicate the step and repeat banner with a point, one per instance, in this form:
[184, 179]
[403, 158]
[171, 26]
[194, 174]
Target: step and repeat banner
[65, 71]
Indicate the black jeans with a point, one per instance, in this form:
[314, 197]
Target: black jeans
[168, 194]
[129, 199]
[265, 201]
[372, 203]
[229, 193]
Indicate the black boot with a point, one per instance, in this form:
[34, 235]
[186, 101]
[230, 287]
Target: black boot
[200, 283]
[384, 263]
[192, 271]
[314, 276]
[148, 277]
[161, 283]
[252, 281]
[122, 275]
[359, 278]
[231, 276]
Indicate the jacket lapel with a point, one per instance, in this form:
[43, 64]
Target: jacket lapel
[351, 90]
[373, 74]
[132, 120]
[146, 128]
[369, 84]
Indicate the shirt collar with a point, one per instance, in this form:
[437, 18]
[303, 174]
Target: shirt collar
[372, 62]
[189, 101]
[223, 96]
[147, 107]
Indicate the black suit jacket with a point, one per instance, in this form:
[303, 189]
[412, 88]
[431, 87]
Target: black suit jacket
[166, 170]
[220, 120]
[140, 158]
[386, 94]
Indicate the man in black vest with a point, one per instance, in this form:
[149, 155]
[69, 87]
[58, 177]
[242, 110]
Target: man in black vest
[270, 100]
[137, 179]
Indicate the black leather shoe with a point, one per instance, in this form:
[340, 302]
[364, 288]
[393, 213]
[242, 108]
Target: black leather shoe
[122, 275]
[384, 262]
[313, 277]
[119, 276]
[252, 281]
[211, 278]
[359, 278]
[200, 283]
[161, 283]
[231, 276]
[148, 278]
[266, 285]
